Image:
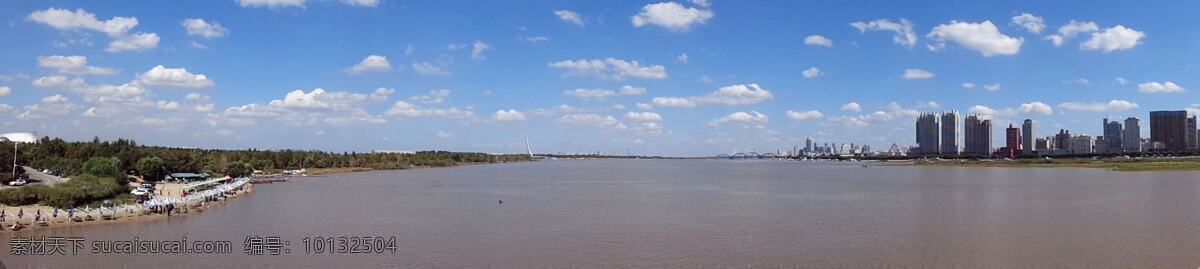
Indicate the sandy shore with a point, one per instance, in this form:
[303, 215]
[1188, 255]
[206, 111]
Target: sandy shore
[121, 215]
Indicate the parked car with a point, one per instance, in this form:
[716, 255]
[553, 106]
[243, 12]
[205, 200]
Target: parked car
[18, 182]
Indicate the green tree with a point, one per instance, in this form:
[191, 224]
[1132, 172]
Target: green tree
[238, 169]
[105, 167]
[151, 168]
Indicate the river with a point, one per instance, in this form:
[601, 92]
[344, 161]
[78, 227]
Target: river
[691, 213]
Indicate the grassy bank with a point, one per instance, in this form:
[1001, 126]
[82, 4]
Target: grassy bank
[1126, 165]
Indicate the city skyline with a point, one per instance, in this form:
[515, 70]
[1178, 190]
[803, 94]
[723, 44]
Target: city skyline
[672, 78]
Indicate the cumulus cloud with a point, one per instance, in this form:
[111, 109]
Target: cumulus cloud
[644, 106]
[1112, 39]
[74, 65]
[271, 3]
[804, 115]
[811, 72]
[913, 73]
[404, 109]
[852, 107]
[1110, 106]
[1156, 87]
[1035, 108]
[372, 63]
[508, 115]
[54, 105]
[968, 85]
[1030, 22]
[174, 78]
[672, 16]
[902, 29]
[428, 69]
[752, 117]
[643, 116]
[569, 16]
[116, 28]
[1121, 80]
[983, 37]
[740, 94]
[682, 58]
[593, 121]
[361, 3]
[5, 91]
[477, 50]
[991, 87]
[200, 27]
[818, 40]
[433, 97]
[1070, 30]
[610, 69]
[1031, 108]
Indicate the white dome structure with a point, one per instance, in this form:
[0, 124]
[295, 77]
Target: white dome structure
[19, 137]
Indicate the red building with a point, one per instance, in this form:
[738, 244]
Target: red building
[1012, 145]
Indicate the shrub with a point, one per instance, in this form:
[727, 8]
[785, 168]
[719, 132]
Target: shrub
[105, 167]
[151, 168]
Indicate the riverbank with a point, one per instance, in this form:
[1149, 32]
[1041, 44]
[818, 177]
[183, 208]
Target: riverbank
[1124, 165]
[120, 214]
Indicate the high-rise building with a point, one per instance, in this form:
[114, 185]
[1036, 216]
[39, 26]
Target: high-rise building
[1169, 128]
[927, 134]
[1012, 142]
[1043, 147]
[1062, 140]
[977, 136]
[950, 133]
[1081, 144]
[1112, 137]
[1027, 137]
[1191, 133]
[808, 144]
[1131, 137]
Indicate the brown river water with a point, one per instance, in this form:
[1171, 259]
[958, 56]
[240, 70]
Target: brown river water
[688, 214]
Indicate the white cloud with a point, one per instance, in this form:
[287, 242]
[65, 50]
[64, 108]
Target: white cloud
[740, 94]
[804, 115]
[1030, 22]
[674, 101]
[428, 69]
[740, 117]
[913, 73]
[53, 105]
[1115, 38]
[671, 15]
[1155, 87]
[74, 65]
[703, 3]
[643, 116]
[355, 117]
[372, 63]
[116, 28]
[1080, 81]
[1113, 105]
[5, 91]
[405, 110]
[817, 40]
[644, 106]
[1071, 29]
[569, 16]
[1121, 80]
[536, 39]
[592, 120]
[811, 72]
[173, 77]
[983, 37]
[433, 97]
[1035, 108]
[991, 87]
[600, 94]
[852, 107]
[168, 105]
[968, 85]
[903, 30]
[271, 3]
[610, 68]
[508, 115]
[631, 90]
[380, 94]
[683, 58]
[361, 3]
[199, 27]
[477, 50]
[982, 110]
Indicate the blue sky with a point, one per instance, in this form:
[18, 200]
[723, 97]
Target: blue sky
[483, 75]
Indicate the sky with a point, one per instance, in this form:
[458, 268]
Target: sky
[673, 78]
